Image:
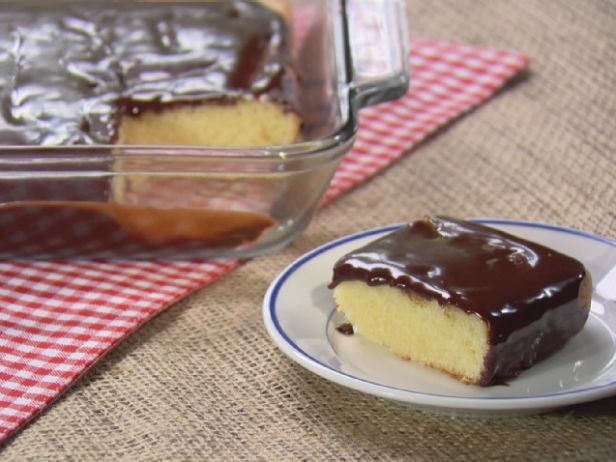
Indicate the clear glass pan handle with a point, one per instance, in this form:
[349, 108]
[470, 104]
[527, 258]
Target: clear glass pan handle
[378, 41]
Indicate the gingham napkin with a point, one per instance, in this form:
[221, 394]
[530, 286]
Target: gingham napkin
[57, 318]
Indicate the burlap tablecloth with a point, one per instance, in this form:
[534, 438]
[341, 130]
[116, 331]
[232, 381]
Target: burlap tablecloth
[203, 381]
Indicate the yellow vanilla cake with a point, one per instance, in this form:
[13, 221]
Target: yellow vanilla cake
[469, 300]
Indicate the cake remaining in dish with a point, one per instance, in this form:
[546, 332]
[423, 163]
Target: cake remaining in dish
[168, 73]
[215, 73]
[475, 302]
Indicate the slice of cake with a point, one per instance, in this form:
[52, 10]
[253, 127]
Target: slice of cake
[472, 301]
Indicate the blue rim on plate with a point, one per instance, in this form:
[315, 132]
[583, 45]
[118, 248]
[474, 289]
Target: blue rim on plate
[435, 400]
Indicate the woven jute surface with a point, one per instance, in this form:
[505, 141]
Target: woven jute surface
[203, 381]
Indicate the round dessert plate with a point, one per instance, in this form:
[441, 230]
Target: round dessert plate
[300, 317]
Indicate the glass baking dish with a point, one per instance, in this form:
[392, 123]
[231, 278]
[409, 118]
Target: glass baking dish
[151, 201]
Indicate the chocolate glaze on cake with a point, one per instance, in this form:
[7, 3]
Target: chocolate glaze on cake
[69, 72]
[529, 295]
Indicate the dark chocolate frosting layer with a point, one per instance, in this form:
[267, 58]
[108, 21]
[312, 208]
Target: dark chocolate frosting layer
[508, 281]
[68, 71]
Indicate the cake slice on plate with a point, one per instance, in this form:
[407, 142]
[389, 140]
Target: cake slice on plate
[475, 302]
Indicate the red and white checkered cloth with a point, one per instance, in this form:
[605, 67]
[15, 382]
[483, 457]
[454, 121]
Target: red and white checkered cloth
[57, 318]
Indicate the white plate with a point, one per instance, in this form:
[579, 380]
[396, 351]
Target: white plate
[300, 318]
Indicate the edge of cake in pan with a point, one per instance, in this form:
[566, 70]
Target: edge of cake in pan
[472, 301]
[217, 73]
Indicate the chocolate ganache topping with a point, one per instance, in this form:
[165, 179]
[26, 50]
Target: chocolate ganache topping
[509, 282]
[69, 71]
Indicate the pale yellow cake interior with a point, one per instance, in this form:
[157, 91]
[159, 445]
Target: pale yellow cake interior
[446, 338]
[244, 123]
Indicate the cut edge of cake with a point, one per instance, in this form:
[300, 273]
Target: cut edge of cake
[248, 122]
[450, 339]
